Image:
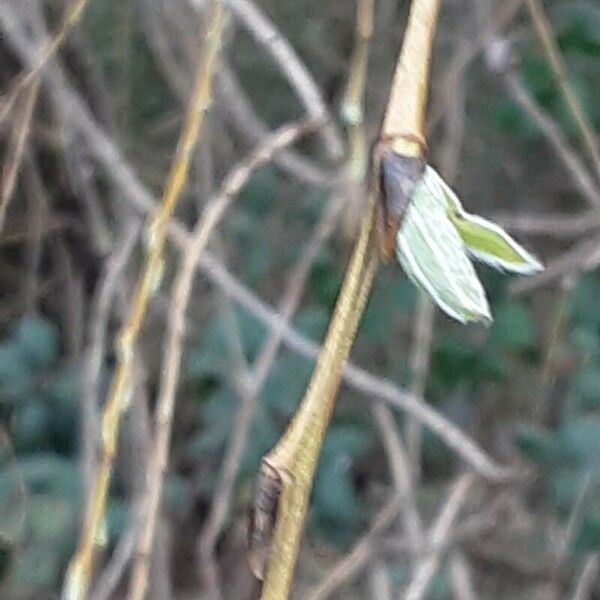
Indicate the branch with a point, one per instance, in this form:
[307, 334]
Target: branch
[236, 104]
[555, 138]
[18, 143]
[182, 288]
[498, 60]
[124, 178]
[72, 17]
[588, 578]
[360, 555]
[544, 31]
[461, 577]
[440, 534]
[268, 36]
[288, 470]
[98, 323]
[291, 299]
[402, 476]
[583, 257]
[80, 570]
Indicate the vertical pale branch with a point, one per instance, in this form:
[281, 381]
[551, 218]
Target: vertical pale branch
[352, 112]
[288, 470]
[544, 32]
[80, 570]
[419, 366]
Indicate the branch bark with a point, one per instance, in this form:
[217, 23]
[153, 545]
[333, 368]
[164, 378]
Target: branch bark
[287, 474]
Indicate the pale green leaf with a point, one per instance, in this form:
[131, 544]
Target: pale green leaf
[492, 245]
[434, 257]
[485, 240]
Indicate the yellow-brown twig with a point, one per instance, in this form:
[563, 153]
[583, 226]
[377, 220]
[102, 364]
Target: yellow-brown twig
[288, 470]
[552, 51]
[72, 16]
[80, 570]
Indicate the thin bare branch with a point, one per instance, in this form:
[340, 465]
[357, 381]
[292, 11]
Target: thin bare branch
[461, 577]
[269, 37]
[125, 179]
[419, 368]
[234, 101]
[182, 288]
[16, 149]
[583, 257]
[440, 533]
[111, 575]
[99, 317]
[72, 16]
[402, 476]
[544, 31]
[552, 225]
[357, 560]
[80, 571]
[380, 586]
[588, 579]
[555, 137]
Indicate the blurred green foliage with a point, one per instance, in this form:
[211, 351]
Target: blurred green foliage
[40, 488]
[39, 491]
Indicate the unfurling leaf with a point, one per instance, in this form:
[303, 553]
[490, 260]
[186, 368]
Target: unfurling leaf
[433, 255]
[484, 240]
[434, 244]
